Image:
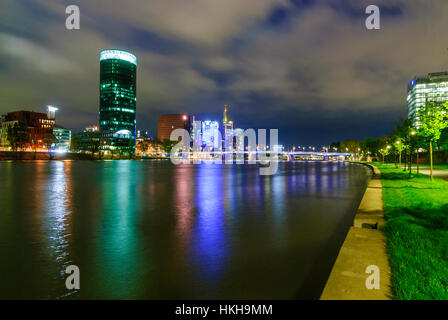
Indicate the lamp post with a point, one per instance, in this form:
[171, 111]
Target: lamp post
[411, 134]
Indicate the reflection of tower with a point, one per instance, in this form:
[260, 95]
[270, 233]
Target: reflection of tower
[228, 130]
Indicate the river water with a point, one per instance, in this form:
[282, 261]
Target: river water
[152, 230]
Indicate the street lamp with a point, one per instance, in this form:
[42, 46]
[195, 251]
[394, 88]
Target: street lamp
[412, 134]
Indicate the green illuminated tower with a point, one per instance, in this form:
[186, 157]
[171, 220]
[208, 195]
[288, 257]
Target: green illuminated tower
[118, 99]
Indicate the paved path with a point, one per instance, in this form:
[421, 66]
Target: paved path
[362, 247]
[440, 173]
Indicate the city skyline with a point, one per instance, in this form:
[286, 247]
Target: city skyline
[250, 59]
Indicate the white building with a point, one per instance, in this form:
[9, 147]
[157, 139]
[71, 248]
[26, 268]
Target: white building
[434, 87]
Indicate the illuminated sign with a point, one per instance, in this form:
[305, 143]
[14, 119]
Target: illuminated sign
[123, 134]
[118, 54]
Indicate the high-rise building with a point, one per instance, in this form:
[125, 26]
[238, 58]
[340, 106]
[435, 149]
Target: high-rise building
[433, 87]
[118, 86]
[196, 132]
[228, 131]
[210, 134]
[170, 122]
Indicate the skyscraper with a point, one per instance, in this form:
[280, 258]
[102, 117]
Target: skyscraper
[118, 99]
[228, 131]
[210, 134]
[433, 87]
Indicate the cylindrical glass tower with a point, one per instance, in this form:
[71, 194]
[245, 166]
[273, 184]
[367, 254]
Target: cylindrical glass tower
[118, 98]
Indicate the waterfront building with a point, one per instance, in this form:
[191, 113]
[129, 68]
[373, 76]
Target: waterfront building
[196, 133]
[433, 87]
[228, 131]
[238, 132]
[92, 129]
[35, 126]
[147, 146]
[86, 141]
[118, 99]
[170, 122]
[62, 138]
[210, 134]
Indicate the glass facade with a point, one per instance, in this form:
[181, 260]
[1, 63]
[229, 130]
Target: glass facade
[118, 98]
[434, 87]
[63, 138]
[210, 134]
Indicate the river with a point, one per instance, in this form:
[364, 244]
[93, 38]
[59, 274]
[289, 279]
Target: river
[152, 230]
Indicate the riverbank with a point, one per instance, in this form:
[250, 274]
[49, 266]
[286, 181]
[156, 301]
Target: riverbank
[22, 156]
[25, 156]
[363, 247]
[416, 212]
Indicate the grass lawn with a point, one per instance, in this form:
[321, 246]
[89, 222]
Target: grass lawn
[416, 229]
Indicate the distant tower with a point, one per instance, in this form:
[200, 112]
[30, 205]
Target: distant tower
[228, 130]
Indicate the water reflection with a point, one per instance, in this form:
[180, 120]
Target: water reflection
[209, 244]
[151, 230]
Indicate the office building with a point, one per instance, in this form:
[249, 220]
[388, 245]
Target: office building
[35, 128]
[211, 136]
[118, 99]
[170, 122]
[62, 138]
[228, 131]
[433, 87]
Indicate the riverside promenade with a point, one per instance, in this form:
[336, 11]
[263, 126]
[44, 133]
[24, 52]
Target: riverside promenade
[364, 246]
[439, 173]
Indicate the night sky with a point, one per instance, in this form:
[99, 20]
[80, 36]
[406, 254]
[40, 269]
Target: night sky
[307, 67]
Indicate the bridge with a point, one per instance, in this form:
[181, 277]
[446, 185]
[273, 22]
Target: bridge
[293, 155]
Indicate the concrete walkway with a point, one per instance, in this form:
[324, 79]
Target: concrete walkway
[364, 246]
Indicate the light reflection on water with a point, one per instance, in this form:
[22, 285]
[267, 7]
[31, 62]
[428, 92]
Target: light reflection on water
[151, 230]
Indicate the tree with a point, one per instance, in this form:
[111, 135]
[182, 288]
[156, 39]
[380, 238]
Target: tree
[350, 146]
[167, 145]
[49, 140]
[335, 146]
[95, 144]
[432, 119]
[143, 145]
[75, 143]
[370, 146]
[385, 151]
[400, 146]
[17, 136]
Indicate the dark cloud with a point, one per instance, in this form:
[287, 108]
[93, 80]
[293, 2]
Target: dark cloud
[307, 67]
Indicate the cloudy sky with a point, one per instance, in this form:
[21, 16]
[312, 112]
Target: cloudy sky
[307, 67]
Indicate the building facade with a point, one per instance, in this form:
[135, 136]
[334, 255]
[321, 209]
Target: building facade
[170, 122]
[211, 137]
[36, 127]
[118, 99]
[63, 138]
[433, 87]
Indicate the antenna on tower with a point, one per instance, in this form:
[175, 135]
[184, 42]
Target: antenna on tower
[225, 113]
